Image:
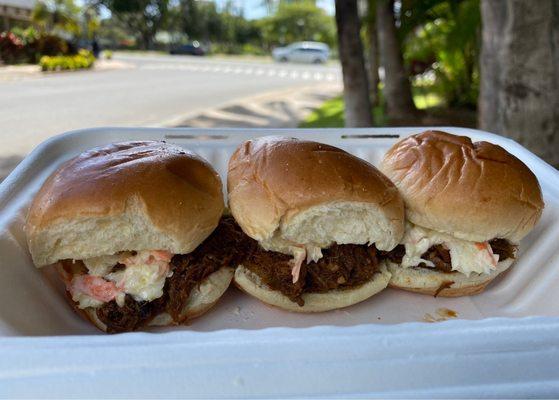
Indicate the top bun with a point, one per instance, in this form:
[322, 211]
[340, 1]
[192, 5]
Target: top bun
[473, 191]
[124, 196]
[305, 192]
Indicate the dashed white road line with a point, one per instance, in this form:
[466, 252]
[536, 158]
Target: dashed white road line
[248, 70]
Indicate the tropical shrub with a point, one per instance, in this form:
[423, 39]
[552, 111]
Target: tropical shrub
[12, 50]
[83, 60]
[442, 51]
[28, 46]
[51, 45]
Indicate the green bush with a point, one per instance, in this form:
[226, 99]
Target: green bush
[83, 60]
[236, 49]
[254, 50]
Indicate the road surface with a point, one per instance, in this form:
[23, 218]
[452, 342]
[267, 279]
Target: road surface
[153, 90]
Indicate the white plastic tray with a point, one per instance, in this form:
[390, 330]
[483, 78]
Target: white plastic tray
[380, 346]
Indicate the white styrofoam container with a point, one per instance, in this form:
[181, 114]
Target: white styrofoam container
[505, 343]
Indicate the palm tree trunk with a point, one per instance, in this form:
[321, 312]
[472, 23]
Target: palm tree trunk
[397, 88]
[356, 91]
[373, 58]
[519, 93]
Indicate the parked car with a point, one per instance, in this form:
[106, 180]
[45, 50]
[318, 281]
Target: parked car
[304, 52]
[193, 49]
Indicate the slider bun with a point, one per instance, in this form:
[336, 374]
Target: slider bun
[425, 281]
[251, 284]
[473, 191]
[124, 196]
[202, 298]
[312, 193]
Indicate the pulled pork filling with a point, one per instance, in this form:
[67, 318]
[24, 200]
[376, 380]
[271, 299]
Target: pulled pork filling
[224, 247]
[503, 248]
[341, 267]
[439, 254]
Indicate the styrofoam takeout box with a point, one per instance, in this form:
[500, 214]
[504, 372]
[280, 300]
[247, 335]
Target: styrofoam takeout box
[505, 342]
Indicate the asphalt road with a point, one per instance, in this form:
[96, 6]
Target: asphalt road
[152, 90]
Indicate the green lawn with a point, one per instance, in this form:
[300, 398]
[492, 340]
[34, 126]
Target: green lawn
[328, 115]
[331, 113]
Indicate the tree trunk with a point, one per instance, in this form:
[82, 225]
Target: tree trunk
[519, 93]
[356, 91]
[373, 58]
[397, 88]
[146, 41]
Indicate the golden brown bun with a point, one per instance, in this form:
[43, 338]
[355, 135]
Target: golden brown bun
[440, 284]
[202, 298]
[311, 193]
[251, 284]
[124, 196]
[473, 191]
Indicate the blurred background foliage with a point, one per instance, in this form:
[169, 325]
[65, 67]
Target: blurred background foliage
[439, 39]
[422, 59]
[297, 21]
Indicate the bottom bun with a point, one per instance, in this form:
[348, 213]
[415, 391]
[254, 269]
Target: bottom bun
[201, 299]
[440, 284]
[250, 283]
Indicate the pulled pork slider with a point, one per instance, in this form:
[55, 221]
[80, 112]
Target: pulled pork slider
[316, 215]
[467, 207]
[131, 229]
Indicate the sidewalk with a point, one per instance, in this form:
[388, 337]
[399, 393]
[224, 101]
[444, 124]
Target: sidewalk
[16, 72]
[30, 71]
[280, 109]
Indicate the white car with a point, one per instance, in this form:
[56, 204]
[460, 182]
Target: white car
[303, 52]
